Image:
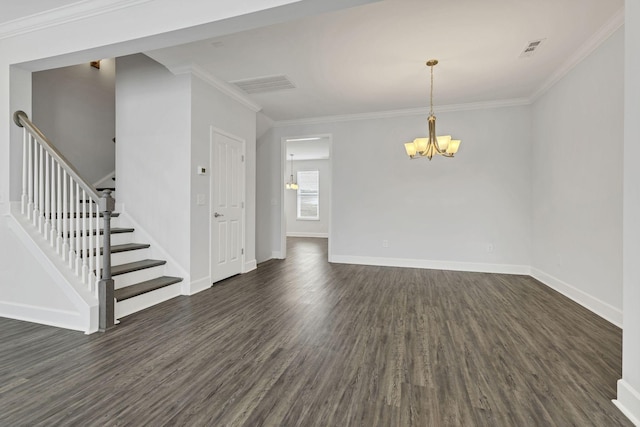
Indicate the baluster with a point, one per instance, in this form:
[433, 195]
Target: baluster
[30, 173]
[89, 253]
[65, 217]
[24, 200]
[72, 223]
[97, 248]
[58, 234]
[85, 237]
[47, 195]
[38, 209]
[52, 205]
[78, 234]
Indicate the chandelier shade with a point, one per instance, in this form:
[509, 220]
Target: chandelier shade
[432, 144]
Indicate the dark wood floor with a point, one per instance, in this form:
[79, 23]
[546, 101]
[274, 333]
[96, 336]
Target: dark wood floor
[303, 343]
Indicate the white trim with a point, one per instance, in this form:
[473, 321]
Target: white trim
[224, 87]
[601, 308]
[250, 266]
[43, 315]
[422, 111]
[199, 285]
[434, 265]
[599, 37]
[62, 15]
[304, 234]
[628, 402]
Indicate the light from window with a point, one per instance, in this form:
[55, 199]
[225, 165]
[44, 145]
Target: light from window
[309, 195]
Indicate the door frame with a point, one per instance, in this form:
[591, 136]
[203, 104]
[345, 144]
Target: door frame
[243, 188]
[282, 254]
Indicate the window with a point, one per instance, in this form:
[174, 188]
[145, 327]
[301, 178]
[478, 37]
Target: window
[309, 195]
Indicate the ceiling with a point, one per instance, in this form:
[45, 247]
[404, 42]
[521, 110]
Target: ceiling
[372, 58]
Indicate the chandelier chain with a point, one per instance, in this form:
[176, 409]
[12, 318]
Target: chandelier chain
[431, 95]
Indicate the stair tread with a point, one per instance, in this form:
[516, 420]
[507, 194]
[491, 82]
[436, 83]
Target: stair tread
[81, 215]
[144, 287]
[135, 266]
[123, 248]
[114, 230]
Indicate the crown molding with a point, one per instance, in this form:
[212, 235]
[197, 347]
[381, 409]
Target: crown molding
[221, 85]
[62, 15]
[422, 111]
[599, 37]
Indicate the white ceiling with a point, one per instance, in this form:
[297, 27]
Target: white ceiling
[372, 58]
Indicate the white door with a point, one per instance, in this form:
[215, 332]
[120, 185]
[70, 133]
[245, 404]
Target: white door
[227, 225]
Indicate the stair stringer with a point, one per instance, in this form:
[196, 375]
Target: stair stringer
[140, 234]
[85, 315]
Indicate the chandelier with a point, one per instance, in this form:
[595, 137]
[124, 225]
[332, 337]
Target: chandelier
[427, 147]
[291, 185]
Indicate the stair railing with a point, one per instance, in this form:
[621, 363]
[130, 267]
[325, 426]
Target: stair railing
[66, 211]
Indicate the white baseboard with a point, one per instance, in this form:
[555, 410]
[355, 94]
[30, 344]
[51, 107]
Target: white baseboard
[434, 265]
[199, 285]
[601, 308]
[43, 315]
[628, 402]
[250, 266]
[303, 234]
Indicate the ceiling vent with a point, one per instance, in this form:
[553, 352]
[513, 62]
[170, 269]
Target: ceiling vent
[531, 48]
[264, 84]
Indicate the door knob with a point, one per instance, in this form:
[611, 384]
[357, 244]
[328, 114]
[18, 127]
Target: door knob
[216, 214]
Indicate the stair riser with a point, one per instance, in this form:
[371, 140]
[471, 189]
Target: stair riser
[119, 238]
[138, 276]
[130, 256]
[140, 302]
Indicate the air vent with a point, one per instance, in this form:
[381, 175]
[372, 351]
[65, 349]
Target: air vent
[531, 48]
[264, 84]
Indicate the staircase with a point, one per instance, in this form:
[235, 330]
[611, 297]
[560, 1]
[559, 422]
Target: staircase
[138, 279]
[69, 215]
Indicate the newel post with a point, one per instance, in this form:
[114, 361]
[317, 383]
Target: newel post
[106, 285]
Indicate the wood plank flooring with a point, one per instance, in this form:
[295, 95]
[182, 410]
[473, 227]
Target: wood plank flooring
[303, 342]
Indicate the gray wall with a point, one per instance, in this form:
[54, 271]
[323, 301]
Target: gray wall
[75, 108]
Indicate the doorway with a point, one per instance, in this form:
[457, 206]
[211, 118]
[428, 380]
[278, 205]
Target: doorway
[305, 207]
[227, 222]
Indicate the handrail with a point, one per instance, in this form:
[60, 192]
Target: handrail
[66, 209]
[22, 120]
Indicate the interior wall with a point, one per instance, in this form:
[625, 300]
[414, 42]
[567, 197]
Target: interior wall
[75, 108]
[471, 212]
[577, 181]
[210, 107]
[628, 397]
[267, 203]
[153, 130]
[306, 228]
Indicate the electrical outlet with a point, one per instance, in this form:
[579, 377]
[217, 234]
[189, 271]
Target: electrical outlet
[385, 243]
[490, 248]
[200, 199]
